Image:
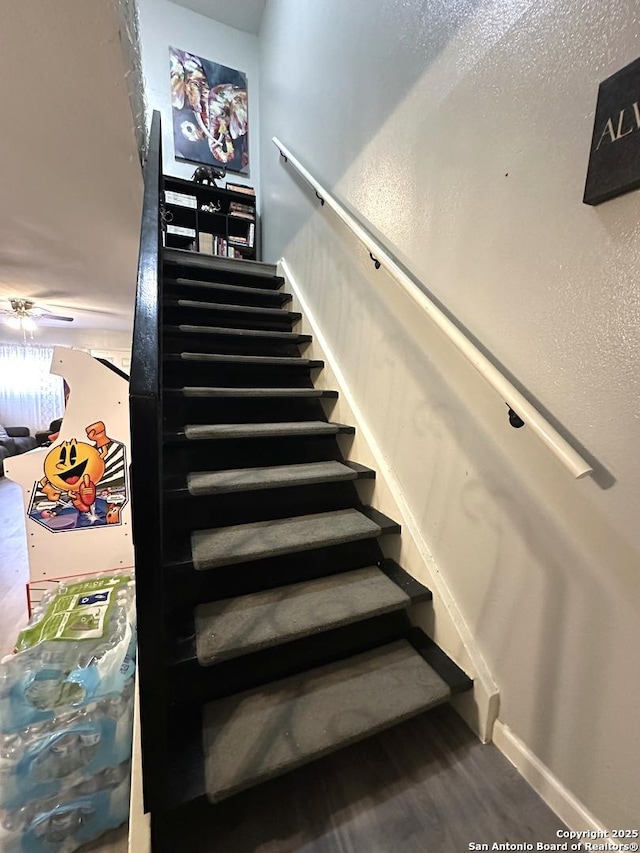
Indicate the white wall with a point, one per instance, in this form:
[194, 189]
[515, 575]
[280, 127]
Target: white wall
[87, 339]
[461, 132]
[164, 24]
[70, 211]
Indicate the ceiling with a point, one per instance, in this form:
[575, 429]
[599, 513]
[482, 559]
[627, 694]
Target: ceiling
[69, 168]
[242, 14]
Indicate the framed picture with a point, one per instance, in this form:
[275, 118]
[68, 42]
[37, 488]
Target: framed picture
[210, 112]
[614, 161]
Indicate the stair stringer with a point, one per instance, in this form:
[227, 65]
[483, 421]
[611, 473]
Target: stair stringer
[440, 619]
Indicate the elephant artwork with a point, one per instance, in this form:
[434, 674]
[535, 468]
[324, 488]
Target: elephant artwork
[210, 113]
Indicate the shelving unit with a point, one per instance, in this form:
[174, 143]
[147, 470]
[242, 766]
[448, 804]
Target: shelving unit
[232, 228]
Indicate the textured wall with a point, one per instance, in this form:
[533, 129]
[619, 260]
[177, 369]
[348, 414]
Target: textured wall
[461, 132]
[164, 24]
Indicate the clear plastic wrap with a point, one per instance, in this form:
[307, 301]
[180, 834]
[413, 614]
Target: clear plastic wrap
[66, 712]
[79, 647]
[65, 822]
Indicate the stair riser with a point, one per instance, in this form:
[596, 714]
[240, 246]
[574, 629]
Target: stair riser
[222, 393]
[174, 342]
[260, 298]
[238, 410]
[189, 682]
[209, 268]
[228, 319]
[187, 587]
[245, 507]
[247, 453]
[178, 374]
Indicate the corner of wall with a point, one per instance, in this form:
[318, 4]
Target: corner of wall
[568, 808]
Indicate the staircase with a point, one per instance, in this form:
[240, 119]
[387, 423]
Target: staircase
[279, 632]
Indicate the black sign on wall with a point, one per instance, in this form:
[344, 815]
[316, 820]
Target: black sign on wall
[614, 163]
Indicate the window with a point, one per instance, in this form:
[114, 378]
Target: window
[30, 396]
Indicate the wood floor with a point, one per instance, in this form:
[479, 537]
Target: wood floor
[14, 568]
[426, 785]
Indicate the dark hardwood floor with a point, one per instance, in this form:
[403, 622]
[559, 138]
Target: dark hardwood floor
[425, 785]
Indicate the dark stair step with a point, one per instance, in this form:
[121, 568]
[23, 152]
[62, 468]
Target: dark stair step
[245, 273]
[247, 335]
[222, 290]
[274, 664]
[254, 736]
[190, 588]
[251, 311]
[244, 360]
[273, 477]
[234, 627]
[194, 432]
[258, 393]
[225, 546]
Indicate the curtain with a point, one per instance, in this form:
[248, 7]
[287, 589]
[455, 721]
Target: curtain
[30, 396]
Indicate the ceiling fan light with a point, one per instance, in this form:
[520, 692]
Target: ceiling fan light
[28, 324]
[13, 322]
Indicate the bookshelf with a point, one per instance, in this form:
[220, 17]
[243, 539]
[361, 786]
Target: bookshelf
[209, 220]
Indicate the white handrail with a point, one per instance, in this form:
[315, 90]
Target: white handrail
[561, 448]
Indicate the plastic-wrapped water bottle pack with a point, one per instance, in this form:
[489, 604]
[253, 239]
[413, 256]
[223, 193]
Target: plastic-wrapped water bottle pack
[66, 709]
[65, 822]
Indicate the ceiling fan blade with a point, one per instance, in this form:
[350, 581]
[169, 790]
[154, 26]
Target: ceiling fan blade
[55, 317]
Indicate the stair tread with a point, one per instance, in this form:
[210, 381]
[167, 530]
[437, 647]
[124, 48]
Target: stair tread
[208, 391]
[225, 546]
[253, 430]
[260, 273]
[257, 360]
[237, 626]
[241, 479]
[277, 313]
[262, 733]
[186, 329]
[238, 289]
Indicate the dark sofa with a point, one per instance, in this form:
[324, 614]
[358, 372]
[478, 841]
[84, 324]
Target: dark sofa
[42, 438]
[14, 440]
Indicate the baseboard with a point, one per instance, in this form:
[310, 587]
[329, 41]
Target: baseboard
[560, 800]
[139, 822]
[479, 708]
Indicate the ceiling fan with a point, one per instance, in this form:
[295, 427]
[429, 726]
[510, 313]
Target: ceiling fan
[24, 314]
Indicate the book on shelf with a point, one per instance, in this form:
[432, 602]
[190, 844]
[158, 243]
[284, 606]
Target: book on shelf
[246, 217]
[206, 243]
[244, 241]
[179, 231]
[180, 199]
[237, 207]
[220, 247]
[241, 188]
